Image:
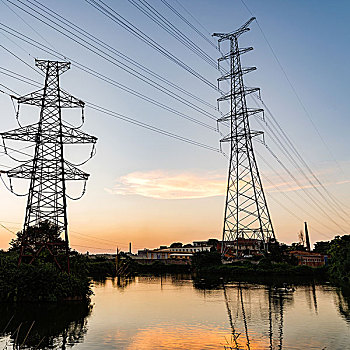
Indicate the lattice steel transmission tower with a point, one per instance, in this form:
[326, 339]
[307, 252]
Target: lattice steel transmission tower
[48, 171]
[246, 212]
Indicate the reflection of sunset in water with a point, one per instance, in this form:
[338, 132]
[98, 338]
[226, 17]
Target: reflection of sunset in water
[187, 337]
[165, 313]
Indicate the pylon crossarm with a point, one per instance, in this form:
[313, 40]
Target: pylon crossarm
[74, 135]
[27, 133]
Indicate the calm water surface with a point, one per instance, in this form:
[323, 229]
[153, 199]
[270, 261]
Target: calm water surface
[176, 313]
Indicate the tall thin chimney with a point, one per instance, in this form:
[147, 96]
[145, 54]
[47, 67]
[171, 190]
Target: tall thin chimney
[307, 237]
[130, 247]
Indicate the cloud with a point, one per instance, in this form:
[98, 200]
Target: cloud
[162, 184]
[170, 185]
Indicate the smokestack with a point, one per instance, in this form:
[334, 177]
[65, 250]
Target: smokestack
[130, 247]
[307, 238]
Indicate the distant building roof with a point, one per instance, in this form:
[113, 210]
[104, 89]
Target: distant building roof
[303, 252]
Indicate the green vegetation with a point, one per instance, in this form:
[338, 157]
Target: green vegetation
[101, 268]
[279, 263]
[339, 251]
[158, 267]
[41, 281]
[209, 263]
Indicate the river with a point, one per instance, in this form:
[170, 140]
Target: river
[175, 312]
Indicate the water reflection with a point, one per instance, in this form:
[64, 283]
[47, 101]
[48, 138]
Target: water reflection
[178, 312]
[43, 326]
[344, 304]
[247, 316]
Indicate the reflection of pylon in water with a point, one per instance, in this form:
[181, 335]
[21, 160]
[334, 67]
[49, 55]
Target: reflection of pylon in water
[278, 302]
[235, 335]
[48, 171]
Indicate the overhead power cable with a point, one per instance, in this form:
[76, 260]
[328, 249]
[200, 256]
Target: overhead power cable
[288, 143]
[200, 33]
[287, 154]
[164, 23]
[182, 115]
[309, 204]
[17, 76]
[109, 241]
[303, 189]
[52, 14]
[289, 211]
[113, 61]
[148, 127]
[13, 54]
[4, 92]
[7, 229]
[294, 90]
[120, 20]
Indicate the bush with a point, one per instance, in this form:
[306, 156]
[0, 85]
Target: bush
[202, 260]
[41, 282]
[339, 251]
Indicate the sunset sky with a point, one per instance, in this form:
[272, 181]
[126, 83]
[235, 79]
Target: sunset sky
[151, 190]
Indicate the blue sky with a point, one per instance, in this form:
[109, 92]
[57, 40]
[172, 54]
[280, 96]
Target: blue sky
[151, 189]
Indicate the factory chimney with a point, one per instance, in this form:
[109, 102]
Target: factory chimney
[307, 237]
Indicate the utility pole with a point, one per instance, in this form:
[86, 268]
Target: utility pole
[48, 171]
[246, 212]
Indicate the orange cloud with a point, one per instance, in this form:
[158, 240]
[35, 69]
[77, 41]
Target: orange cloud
[166, 185]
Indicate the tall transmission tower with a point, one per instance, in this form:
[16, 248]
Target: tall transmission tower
[246, 212]
[48, 171]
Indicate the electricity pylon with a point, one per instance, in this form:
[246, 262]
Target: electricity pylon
[48, 171]
[246, 212]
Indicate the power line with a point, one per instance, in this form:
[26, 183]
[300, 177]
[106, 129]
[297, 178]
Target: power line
[112, 49]
[31, 27]
[188, 22]
[148, 126]
[285, 181]
[281, 146]
[294, 90]
[4, 92]
[303, 189]
[10, 52]
[13, 74]
[289, 211]
[120, 20]
[102, 239]
[289, 144]
[164, 23]
[111, 60]
[113, 15]
[133, 91]
[7, 229]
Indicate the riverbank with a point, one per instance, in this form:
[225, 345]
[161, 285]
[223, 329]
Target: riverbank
[42, 281]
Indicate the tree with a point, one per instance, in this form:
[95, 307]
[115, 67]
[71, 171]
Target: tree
[340, 258]
[205, 259]
[176, 245]
[38, 235]
[297, 246]
[322, 247]
[278, 252]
